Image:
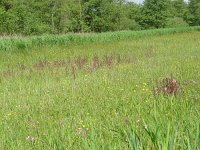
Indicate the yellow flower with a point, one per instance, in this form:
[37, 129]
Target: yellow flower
[9, 114]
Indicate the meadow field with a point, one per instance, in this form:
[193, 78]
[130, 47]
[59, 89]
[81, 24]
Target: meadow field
[130, 92]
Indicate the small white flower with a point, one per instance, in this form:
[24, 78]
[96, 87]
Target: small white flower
[30, 138]
[145, 126]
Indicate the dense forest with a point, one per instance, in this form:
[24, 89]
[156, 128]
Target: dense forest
[35, 17]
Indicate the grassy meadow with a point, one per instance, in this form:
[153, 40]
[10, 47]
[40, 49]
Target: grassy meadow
[102, 95]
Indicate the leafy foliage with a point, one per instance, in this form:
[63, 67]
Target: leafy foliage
[33, 17]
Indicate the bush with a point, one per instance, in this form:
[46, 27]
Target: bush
[176, 22]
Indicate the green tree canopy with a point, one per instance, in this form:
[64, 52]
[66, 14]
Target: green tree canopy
[155, 13]
[194, 7]
[35, 17]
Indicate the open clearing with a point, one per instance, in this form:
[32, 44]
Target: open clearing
[99, 95]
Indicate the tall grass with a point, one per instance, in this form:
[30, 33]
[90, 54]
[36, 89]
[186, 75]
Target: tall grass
[96, 96]
[8, 43]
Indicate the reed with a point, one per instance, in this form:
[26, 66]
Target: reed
[19, 42]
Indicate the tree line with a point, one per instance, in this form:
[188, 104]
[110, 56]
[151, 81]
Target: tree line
[35, 17]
